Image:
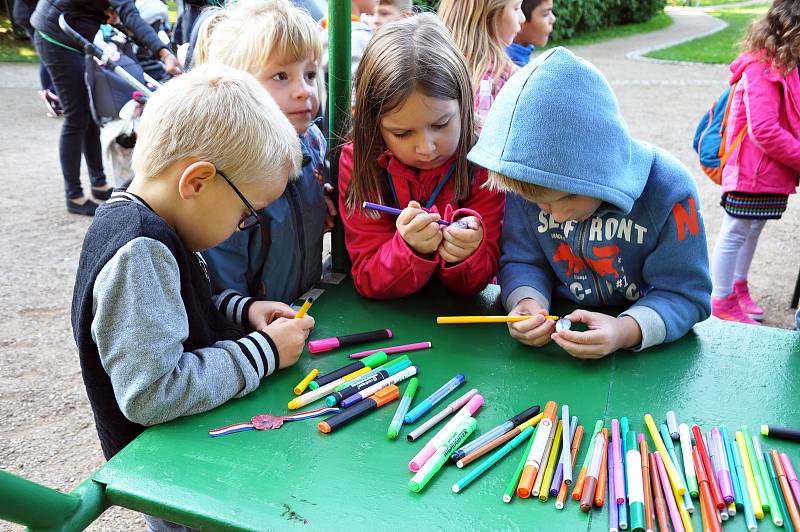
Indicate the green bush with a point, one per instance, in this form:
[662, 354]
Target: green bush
[582, 16]
[575, 17]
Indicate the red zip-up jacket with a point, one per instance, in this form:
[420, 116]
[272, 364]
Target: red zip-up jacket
[384, 266]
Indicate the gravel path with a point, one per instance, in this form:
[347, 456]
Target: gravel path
[49, 433]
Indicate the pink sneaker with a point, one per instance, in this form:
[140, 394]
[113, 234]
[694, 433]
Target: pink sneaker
[727, 308]
[753, 311]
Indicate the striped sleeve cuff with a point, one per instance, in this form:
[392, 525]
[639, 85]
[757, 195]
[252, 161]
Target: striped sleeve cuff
[234, 305]
[260, 350]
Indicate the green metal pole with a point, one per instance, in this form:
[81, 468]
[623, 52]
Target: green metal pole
[339, 12]
[39, 507]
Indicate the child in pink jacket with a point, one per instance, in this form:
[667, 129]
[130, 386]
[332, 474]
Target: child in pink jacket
[757, 181]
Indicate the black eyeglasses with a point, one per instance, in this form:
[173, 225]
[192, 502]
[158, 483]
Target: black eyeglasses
[252, 219]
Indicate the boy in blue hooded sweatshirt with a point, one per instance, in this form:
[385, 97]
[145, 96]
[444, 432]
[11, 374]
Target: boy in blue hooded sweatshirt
[593, 214]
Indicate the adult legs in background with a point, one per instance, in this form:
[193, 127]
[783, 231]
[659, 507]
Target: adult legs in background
[79, 133]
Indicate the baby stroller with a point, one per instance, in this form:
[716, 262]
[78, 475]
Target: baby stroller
[118, 87]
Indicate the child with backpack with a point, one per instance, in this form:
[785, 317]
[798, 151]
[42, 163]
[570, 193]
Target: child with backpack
[762, 170]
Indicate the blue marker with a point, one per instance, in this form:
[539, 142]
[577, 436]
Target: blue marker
[665, 435]
[419, 410]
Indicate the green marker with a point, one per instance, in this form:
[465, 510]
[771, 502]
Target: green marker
[375, 359]
[435, 462]
[405, 402]
[772, 496]
[780, 503]
[492, 460]
[757, 473]
[512, 485]
[369, 374]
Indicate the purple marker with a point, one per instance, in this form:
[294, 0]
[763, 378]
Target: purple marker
[619, 481]
[389, 210]
[723, 472]
[613, 515]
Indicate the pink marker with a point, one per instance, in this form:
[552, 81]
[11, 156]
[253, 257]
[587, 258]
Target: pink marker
[791, 476]
[440, 437]
[674, 514]
[619, 471]
[392, 350]
[327, 344]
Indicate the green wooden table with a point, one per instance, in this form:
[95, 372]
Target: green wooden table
[297, 477]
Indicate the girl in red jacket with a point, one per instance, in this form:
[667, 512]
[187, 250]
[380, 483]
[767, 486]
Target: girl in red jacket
[412, 130]
[763, 170]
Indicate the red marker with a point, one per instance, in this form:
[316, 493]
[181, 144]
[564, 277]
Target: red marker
[716, 493]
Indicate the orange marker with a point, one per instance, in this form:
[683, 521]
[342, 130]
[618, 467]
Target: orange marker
[659, 504]
[577, 490]
[536, 454]
[600, 491]
[707, 507]
[788, 496]
[373, 402]
[649, 522]
[576, 446]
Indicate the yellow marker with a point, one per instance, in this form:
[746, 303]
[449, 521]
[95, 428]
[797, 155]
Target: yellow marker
[322, 391]
[748, 477]
[304, 308]
[550, 470]
[532, 422]
[485, 319]
[303, 384]
[685, 517]
[675, 480]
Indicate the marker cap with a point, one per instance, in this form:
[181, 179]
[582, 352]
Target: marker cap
[765, 430]
[375, 359]
[324, 344]
[386, 395]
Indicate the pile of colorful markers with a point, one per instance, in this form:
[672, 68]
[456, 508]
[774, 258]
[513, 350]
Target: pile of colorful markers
[712, 472]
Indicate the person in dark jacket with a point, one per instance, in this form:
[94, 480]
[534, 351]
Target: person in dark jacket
[65, 62]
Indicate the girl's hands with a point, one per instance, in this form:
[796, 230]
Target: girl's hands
[419, 229]
[461, 239]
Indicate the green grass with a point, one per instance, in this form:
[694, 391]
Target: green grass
[660, 21]
[721, 47]
[702, 3]
[13, 50]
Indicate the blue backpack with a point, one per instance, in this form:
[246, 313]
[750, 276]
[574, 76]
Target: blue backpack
[709, 138]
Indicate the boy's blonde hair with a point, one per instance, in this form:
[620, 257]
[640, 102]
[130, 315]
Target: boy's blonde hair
[413, 54]
[475, 28]
[256, 30]
[207, 27]
[497, 182]
[220, 115]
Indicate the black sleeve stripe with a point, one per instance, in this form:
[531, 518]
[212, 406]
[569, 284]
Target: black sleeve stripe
[274, 349]
[249, 355]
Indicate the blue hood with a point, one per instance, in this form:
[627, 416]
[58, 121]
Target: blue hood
[557, 124]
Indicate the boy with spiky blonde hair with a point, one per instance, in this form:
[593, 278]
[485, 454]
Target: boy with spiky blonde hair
[212, 148]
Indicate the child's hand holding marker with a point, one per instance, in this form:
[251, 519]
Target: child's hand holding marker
[536, 331]
[606, 334]
[419, 229]
[460, 239]
[289, 335]
[262, 313]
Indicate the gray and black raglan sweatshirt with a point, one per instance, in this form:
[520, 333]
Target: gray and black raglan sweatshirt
[153, 345]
